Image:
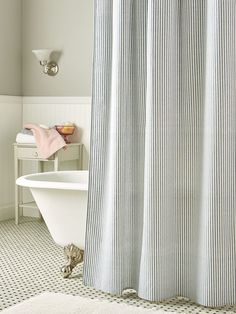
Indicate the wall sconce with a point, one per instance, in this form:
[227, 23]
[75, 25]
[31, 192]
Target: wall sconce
[49, 67]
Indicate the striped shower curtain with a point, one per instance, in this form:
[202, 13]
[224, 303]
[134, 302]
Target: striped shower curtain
[162, 188]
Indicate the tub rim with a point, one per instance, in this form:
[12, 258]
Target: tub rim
[26, 181]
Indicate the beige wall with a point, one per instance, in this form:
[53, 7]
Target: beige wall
[10, 47]
[66, 25]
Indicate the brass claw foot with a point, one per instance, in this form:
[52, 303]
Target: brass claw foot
[74, 256]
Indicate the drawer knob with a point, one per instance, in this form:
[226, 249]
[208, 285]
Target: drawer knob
[35, 154]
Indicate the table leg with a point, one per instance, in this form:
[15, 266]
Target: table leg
[80, 159]
[40, 166]
[56, 164]
[16, 191]
[40, 169]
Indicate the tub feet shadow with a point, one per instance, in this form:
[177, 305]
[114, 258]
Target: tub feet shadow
[74, 256]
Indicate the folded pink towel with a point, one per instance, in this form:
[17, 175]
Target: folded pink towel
[48, 141]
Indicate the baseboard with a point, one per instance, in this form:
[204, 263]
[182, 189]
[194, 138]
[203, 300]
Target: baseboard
[7, 212]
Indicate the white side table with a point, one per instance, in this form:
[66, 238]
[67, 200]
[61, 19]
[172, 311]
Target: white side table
[73, 151]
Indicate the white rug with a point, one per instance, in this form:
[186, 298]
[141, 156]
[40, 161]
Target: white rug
[58, 303]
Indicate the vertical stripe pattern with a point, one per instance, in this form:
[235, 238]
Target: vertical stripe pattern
[162, 194]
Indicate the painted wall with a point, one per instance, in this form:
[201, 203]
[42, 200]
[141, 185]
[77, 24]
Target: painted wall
[66, 25]
[10, 47]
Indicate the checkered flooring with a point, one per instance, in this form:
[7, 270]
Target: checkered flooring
[30, 264]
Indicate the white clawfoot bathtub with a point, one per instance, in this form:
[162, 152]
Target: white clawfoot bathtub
[62, 200]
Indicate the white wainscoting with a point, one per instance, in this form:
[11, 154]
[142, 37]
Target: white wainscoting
[10, 124]
[56, 110]
[14, 112]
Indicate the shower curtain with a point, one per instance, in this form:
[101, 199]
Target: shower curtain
[162, 187]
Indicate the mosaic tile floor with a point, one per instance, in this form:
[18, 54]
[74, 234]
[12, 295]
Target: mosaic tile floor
[30, 264]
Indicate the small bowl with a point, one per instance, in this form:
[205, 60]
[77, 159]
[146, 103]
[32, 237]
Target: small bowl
[65, 131]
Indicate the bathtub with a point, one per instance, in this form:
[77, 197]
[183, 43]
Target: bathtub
[62, 200]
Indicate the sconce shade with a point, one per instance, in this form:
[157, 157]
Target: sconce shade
[42, 54]
[50, 67]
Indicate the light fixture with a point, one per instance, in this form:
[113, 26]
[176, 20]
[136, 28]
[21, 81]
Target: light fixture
[49, 67]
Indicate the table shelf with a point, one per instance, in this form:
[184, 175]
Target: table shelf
[28, 205]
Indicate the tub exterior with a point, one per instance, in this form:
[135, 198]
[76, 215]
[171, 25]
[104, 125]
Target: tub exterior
[62, 200]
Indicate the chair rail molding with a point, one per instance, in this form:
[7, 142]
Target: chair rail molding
[56, 100]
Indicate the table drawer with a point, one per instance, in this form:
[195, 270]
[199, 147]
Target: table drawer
[29, 153]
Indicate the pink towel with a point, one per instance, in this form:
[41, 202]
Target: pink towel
[47, 141]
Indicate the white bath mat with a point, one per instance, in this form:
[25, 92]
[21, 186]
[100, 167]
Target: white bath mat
[58, 303]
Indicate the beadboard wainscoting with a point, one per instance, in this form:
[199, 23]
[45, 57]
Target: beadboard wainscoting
[15, 111]
[56, 110]
[10, 124]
